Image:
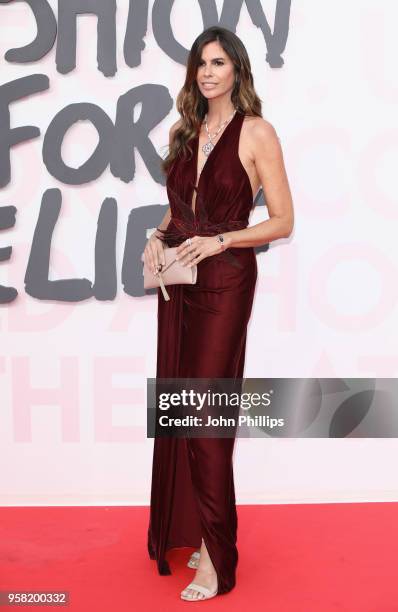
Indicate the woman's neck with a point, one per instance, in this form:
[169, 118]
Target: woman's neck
[219, 112]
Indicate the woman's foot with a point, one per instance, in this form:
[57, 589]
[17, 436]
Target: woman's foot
[205, 576]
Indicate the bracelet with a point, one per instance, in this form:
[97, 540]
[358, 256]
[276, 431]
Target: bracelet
[220, 239]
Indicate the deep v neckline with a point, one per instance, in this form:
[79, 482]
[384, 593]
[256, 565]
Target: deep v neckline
[197, 182]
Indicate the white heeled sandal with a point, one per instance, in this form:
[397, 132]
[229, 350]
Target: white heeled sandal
[208, 594]
[194, 560]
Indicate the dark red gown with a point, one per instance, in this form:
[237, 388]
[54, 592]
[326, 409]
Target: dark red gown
[202, 333]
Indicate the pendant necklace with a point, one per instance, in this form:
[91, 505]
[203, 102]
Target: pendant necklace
[209, 146]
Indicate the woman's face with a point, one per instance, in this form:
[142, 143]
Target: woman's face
[215, 75]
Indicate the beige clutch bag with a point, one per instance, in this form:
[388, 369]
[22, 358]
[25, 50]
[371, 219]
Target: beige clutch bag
[172, 273]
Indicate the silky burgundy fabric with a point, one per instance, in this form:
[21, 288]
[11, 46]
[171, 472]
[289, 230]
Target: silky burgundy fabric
[202, 333]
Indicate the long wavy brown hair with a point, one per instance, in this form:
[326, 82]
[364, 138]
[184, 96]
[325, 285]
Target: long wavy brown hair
[193, 106]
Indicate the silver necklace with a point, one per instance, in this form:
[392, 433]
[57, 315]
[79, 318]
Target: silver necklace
[209, 146]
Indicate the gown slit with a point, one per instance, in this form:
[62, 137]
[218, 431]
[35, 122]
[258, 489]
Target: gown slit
[202, 334]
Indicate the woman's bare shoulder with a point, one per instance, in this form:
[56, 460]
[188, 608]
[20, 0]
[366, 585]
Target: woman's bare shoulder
[260, 129]
[257, 134]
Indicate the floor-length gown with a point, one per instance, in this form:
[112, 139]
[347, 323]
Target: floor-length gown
[202, 333]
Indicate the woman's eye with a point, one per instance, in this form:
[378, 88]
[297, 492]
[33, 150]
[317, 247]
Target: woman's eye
[217, 62]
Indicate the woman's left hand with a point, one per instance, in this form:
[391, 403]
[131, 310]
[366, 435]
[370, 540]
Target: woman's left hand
[200, 247]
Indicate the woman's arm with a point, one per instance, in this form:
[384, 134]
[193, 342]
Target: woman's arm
[268, 159]
[154, 248]
[163, 224]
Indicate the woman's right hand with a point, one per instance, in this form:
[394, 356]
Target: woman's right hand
[154, 252]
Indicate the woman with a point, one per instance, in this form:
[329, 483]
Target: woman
[221, 151]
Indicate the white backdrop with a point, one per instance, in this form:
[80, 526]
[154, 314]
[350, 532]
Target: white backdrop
[73, 376]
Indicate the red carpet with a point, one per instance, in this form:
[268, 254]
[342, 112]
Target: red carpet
[293, 558]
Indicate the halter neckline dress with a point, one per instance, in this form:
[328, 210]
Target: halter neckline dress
[202, 334]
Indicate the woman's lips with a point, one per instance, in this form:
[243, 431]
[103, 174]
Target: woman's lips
[209, 85]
